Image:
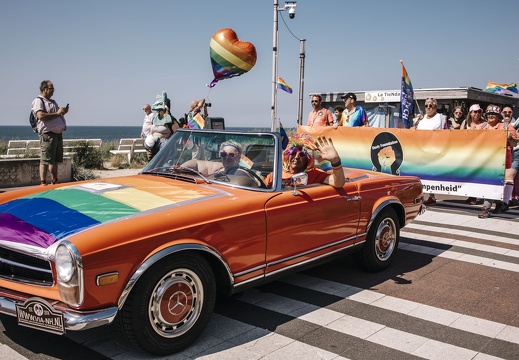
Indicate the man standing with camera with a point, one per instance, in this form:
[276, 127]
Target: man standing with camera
[51, 124]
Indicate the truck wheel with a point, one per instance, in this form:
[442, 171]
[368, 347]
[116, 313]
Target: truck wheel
[381, 244]
[170, 305]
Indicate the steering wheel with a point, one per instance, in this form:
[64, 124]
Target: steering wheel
[252, 174]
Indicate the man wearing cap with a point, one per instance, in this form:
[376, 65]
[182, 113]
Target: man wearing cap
[353, 114]
[494, 120]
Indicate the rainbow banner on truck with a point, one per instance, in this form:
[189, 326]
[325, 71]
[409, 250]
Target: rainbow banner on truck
[453, 162]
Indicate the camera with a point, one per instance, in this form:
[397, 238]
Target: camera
[292, 12]
[207, 104]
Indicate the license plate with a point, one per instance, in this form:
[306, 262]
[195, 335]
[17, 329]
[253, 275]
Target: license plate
[38, 314]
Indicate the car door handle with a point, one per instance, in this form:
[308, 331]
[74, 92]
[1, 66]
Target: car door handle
[354, 198]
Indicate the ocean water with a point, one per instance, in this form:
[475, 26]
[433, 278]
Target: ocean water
[105, 133]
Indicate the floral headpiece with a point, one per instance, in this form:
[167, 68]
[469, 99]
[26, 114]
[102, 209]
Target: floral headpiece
[299, 143]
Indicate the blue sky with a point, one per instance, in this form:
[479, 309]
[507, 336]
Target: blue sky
[108, 58]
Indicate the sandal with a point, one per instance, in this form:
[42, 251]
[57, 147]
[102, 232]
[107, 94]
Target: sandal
[43, 183]
[54, 182]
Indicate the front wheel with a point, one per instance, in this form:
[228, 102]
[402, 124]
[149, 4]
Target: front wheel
[381, 244]
[170, 305]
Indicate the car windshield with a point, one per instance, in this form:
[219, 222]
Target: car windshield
[232, 158]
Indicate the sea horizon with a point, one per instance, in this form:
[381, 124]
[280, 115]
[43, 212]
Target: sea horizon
[105, 133]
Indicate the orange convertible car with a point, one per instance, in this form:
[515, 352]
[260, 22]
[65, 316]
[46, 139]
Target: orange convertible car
[151, 251]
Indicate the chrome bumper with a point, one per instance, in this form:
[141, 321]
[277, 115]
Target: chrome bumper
[73, 320]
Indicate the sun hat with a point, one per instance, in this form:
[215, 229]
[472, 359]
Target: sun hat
[493, 109]
[158, 106]
[475, 107]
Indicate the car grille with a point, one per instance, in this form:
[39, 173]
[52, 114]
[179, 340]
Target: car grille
[15, 266]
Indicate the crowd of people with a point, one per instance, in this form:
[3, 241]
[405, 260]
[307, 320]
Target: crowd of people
[493, 118]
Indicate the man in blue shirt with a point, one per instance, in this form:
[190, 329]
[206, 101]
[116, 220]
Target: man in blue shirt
[353, 115]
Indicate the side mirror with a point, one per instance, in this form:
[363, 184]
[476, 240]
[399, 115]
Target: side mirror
[300, 179]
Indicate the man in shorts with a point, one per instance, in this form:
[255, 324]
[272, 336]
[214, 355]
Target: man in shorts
[51, 124]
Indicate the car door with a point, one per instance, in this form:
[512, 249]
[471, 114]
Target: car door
[317, 220]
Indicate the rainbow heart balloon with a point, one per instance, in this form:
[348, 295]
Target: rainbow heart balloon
[229, 56]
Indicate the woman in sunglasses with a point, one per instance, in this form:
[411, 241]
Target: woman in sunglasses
[474, 118]
[298, 157]
[456, 122]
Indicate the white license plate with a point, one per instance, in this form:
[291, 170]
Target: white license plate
[38, 314]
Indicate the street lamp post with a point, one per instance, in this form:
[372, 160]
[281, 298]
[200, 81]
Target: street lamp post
[290, 6]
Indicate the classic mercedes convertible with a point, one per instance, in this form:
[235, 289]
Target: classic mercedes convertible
[151, 251]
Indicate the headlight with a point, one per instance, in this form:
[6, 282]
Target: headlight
[69, 273]
[64, 264]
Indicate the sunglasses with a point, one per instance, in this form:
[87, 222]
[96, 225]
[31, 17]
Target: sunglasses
[223, 155]
[477, 111]
[491, 116]
[458, 113]
[315, 101]
[507, 112]
[429, 106]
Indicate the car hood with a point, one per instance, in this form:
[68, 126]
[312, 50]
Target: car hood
[42, 218]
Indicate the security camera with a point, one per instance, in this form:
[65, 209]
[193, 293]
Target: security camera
[292, 12]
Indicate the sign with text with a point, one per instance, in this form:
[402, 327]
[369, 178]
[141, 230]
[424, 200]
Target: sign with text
[382, 96]
[454, 162]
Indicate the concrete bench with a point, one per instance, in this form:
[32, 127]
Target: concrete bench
[27, 148]
[129, 147]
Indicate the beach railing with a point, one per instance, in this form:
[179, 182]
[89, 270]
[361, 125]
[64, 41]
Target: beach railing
[25, 148]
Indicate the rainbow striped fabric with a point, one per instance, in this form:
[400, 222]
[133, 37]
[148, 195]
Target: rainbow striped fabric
[196, 122]
[281, 84]
[510, 89]
[229, 56]
[43, 218]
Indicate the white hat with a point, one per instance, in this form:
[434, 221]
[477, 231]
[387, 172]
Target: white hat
[475, 107]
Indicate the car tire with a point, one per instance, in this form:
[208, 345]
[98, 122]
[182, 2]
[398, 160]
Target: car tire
[170, 305]
[381, 244]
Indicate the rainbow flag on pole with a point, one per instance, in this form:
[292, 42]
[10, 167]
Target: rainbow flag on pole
[281, 84]
[406, 98]
[509, 89]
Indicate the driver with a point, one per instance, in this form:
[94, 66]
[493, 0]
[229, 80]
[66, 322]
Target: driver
[298, 157]
[231, 154]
